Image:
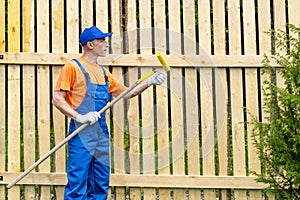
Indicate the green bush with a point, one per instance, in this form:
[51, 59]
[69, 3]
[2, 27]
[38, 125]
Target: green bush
[277, 137]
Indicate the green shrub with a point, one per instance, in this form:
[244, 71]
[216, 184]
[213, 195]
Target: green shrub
[277, 137]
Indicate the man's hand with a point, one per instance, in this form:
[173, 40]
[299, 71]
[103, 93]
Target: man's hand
[91, 118]
[157, 78]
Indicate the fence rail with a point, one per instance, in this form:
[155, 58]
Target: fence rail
[138, 60]
[136, 180]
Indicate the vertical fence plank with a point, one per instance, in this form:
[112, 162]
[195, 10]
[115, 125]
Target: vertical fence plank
[222, 127]
[207, 121]
[207, 127]
[131, 27]
[102, 14]
[221, 94]
[238, 140]
[145, 26]
[59, 127]
[116, 27]
[13, 114]
[147, 99]
[44, 123]
[72, 27]
[163, 135]
[43, 99]
[2, 125]
[174, 26]
[134, 133]
[2, 25]
[162, 99]
[118, 109]
[293, 9]
[252, 111]
[133, 109]
[176, 96]
[192, 127]
[28, 25]
[251, 85]
[2, 95]
[204, 26]
[189, 27]
[29, 123]
[279, 15]
[119, 143]
[192, 130]
[178, 148]
[28, 94]
[148, 137]
[86, 13]
[219, 27]
[264, 20]
[234, 26]
[160, 25]
[249, 27]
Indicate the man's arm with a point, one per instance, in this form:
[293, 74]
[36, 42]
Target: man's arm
[59, 101]
[156, 79]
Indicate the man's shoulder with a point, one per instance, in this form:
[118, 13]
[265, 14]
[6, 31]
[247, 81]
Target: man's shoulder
[71, 65]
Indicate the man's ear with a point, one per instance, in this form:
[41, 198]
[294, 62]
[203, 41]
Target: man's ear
[90, 45]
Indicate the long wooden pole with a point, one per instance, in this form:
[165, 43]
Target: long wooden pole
[70, 136]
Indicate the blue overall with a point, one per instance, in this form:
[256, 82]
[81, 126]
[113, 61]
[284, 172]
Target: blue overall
[88, 152]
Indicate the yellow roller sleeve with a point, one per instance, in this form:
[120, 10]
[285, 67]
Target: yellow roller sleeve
[163, 61]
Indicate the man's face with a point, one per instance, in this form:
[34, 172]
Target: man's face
[100, 47]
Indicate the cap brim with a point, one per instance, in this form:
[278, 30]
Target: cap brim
[106, 35]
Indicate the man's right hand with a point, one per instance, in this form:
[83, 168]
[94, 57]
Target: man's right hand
[91, 118]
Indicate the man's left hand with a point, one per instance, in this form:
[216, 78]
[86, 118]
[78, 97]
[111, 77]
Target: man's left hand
[157, 78]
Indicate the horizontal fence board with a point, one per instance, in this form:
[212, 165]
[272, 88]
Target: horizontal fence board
[139, 60]
[145, 180]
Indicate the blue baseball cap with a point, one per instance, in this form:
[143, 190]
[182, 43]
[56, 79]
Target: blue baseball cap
[92, 33]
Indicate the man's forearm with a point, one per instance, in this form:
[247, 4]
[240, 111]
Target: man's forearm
[137, 90]
[60, 103]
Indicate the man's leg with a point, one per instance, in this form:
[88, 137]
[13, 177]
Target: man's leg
[79, 159]
[101, 169]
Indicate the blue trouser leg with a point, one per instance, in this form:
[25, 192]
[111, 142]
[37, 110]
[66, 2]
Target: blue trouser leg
[101, 173]
[78, 164]
[88, 166]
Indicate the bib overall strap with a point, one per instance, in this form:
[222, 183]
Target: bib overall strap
[86, 75]
[105, 76]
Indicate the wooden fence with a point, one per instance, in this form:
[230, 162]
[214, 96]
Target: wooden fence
[183, 139]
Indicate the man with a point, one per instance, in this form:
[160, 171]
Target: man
[82, 89]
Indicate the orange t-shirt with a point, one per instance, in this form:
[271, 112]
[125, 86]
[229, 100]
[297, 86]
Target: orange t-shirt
[72, 80]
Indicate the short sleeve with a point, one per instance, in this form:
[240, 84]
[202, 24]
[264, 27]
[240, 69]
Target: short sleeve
[66, 78]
